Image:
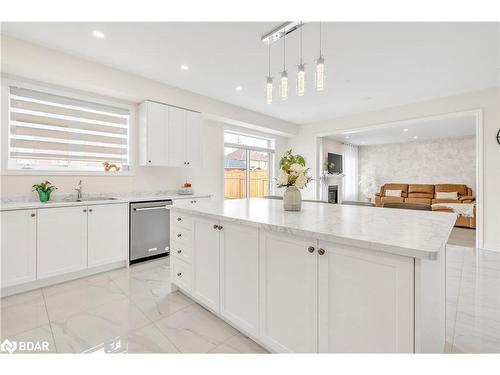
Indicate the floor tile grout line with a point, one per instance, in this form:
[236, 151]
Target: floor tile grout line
[50, 322]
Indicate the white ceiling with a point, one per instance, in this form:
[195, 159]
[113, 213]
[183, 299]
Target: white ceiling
[369, 66]
[424, 130]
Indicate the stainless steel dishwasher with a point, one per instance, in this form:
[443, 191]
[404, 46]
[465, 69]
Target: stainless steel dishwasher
[149, 230]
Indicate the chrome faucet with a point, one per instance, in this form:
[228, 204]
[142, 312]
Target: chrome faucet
[78, 189]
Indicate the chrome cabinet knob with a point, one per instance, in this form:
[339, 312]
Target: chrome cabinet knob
[90, 210]
[220, 227]
[321, 251]
[179, 219]
[216, 226]
[310, 249]
[33, 215]
[179, 251]
[179, 235]
[179, 274]
[84, 210]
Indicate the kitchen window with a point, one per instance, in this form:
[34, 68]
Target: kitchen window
[248, 166]
[49, 131]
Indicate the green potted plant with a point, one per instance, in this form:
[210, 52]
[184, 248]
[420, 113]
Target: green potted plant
[44, 189]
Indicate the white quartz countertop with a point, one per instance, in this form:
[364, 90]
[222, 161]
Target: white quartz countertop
[419, 234]
[97, 199]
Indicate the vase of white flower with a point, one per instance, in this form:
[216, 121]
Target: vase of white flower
[293, 176]
[292, 199]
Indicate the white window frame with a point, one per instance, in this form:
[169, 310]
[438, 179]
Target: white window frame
[5, 113]
[270, 151]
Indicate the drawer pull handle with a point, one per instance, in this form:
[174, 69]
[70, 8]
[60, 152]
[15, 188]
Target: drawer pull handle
[179, 274]
[33, 215]
[179, 219]
[179, 251]
[321, 251]
[220, 227]
[216, 226]
[310, 249]
[84, 210]
[179, 235]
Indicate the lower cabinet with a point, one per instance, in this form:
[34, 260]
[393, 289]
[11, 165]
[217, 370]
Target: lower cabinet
[107, 234]
[61, 240]
[18, 247]
[365, 301]
[288, 293]
[239, 276]
[206, 243]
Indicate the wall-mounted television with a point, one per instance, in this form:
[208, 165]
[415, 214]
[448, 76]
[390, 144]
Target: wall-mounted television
[334, 163]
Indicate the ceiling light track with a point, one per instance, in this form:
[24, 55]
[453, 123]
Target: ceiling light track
[281, 31]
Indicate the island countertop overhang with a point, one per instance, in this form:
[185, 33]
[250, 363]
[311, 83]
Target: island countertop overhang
[418, 234]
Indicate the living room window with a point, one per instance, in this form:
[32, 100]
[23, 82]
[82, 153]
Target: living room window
[52, 131]
[248, 166]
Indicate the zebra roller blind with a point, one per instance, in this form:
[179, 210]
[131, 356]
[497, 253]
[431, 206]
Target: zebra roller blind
[51, 132]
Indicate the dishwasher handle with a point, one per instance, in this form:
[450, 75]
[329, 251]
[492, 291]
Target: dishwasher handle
[151, 208]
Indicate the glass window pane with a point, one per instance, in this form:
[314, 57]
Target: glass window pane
[259, 174]
[235, 166]
[246, 140]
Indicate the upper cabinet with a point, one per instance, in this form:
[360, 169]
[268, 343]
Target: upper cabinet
[169, 136]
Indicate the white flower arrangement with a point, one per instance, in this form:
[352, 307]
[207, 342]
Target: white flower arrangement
[293, 171]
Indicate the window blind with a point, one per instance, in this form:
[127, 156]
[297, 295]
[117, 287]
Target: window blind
[48, 131]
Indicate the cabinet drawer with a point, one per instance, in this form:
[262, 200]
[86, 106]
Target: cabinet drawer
[182, 251]
[181, 235]
[179, 219]
[182, 274]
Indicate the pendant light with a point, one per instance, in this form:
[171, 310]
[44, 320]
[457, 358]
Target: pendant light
[284, 74]
[301, 74]
[269, 81]
[320, 67]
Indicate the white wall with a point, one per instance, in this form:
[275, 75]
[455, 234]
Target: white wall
[487, 100]
[45, 66]
[451, 160]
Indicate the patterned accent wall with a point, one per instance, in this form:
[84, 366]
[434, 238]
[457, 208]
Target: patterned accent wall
[450, 160]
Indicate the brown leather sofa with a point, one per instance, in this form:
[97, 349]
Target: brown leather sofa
[426, 194]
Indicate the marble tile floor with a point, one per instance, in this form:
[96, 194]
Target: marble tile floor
[121, 311]
[134, 311]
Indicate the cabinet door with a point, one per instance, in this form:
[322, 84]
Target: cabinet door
[206, 262]
[157, 125]
[107, 234]
[177, 137]
[365, 301]
[288, 293]
[18, 253]
[240, 276]
[194, 134]
[61, 240]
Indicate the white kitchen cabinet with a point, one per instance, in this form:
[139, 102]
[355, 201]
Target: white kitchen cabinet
[107, 234]
[61, 240]
[194, 133]
[18, 255]
[288, 293]
[153, 134]
[206, 243]
[239, 274]
[365, 301]
[177, 137]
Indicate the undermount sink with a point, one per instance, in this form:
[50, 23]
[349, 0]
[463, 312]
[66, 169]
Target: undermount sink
[91, 199]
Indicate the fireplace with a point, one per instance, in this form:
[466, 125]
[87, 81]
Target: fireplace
[333, 194]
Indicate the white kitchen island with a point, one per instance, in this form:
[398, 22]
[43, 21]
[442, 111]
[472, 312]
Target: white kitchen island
[328, 279]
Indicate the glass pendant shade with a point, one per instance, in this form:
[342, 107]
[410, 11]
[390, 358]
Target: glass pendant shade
[320, 74]
[301, 80]
[269, 90]
[284, 85]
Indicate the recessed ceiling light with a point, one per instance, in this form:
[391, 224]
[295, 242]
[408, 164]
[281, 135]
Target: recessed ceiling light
[238, 88]
[184, 67]
[98, 34]
[405, 130]
[415, 137]
[347, 137]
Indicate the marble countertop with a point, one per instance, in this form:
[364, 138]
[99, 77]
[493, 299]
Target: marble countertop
[95, 199]
[419, 234]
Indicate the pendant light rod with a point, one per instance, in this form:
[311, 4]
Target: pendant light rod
[301, 45]
[320, 37]
[284, 51]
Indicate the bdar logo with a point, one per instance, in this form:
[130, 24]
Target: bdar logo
[8, 346]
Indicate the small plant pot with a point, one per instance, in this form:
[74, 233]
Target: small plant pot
[44, 196]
